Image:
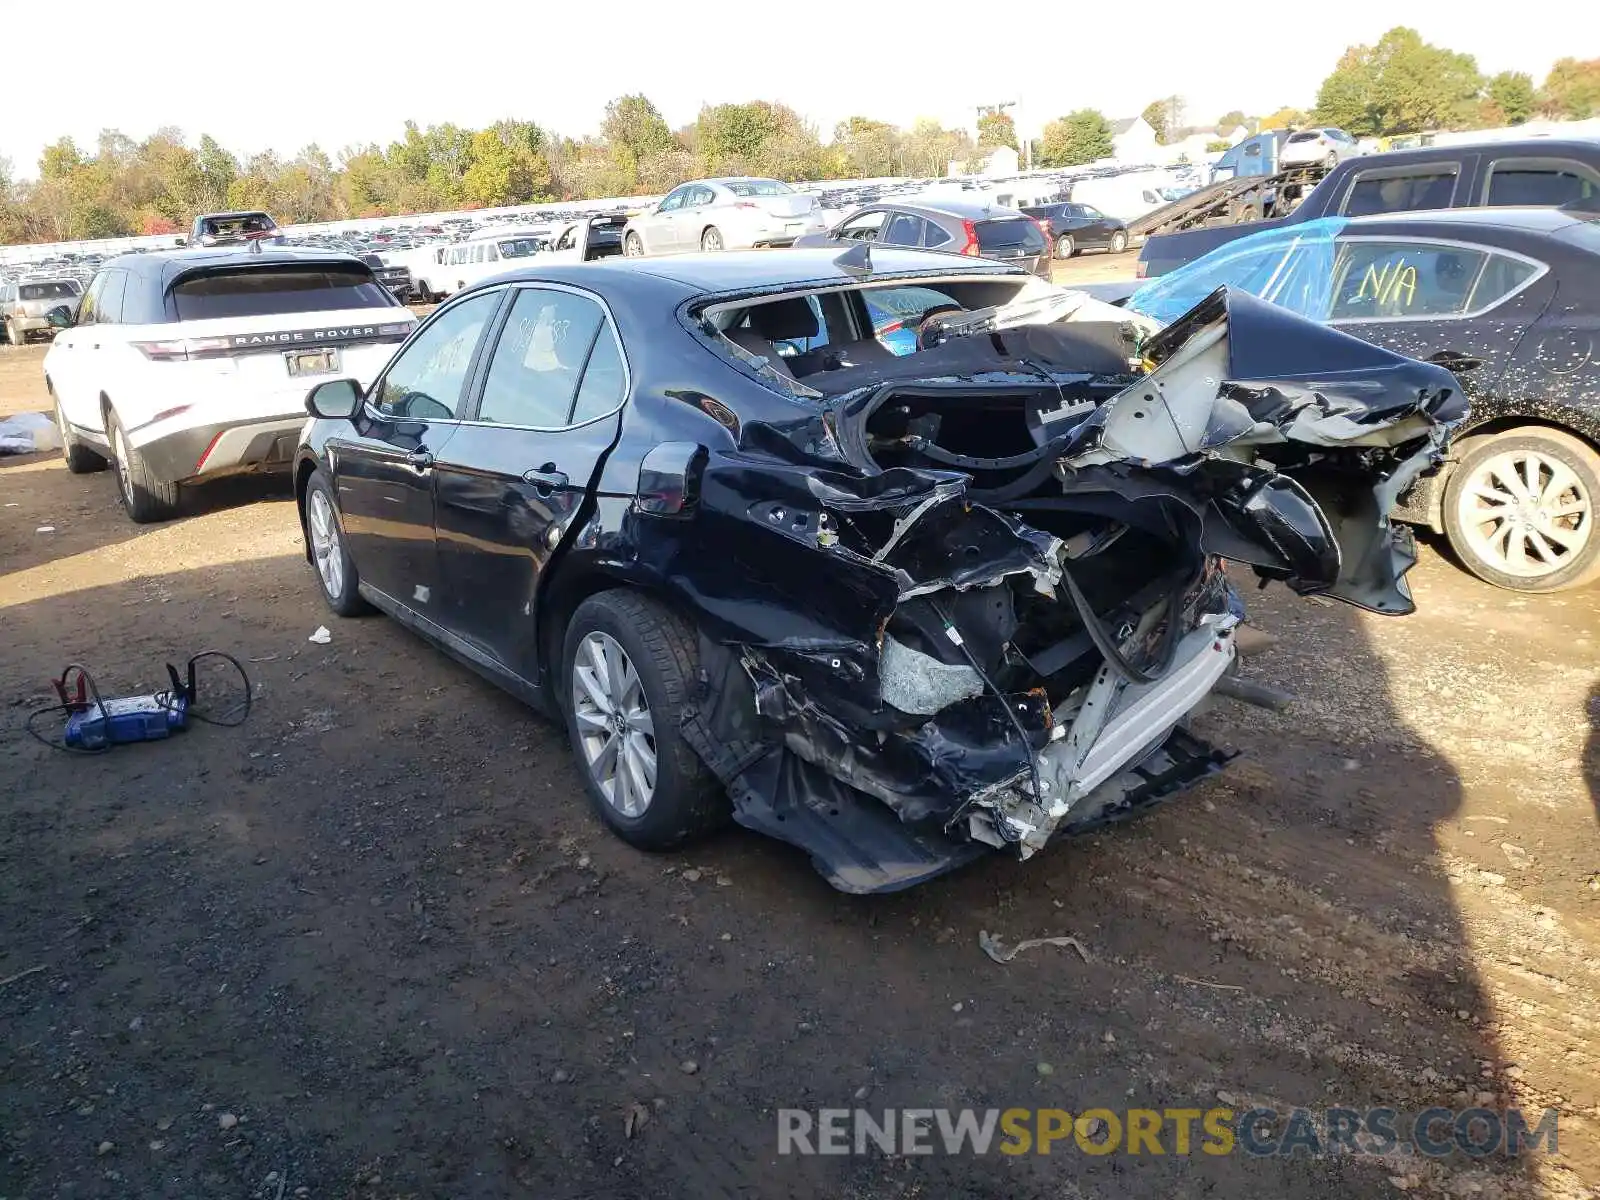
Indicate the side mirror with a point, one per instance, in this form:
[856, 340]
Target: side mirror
[335, 400]
[60, 317]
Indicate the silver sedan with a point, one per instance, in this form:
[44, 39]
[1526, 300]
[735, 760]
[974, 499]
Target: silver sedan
[723, 214]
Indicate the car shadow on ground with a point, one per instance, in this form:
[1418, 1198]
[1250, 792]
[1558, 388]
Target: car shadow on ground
[373, 942]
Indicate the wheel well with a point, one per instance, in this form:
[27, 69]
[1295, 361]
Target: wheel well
[1509, 422]
[302, 478]
[569, 588]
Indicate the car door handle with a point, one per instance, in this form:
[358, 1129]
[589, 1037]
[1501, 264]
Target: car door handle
[546, 479]
[420, 459]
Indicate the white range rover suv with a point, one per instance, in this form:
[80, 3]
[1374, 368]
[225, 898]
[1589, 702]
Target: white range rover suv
[184, 365]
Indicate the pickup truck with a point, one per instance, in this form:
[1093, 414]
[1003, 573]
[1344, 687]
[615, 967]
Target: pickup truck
[1546, 172]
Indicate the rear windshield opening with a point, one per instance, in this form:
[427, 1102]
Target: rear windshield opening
[1303, 137]
[1014, 234]
[62, 289]
[263, 291]
[237, 226]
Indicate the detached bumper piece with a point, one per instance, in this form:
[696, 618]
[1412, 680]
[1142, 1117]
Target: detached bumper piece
[970, 606]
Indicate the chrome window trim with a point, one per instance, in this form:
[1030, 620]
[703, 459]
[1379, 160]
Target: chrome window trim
[1541, 270]
[616, 336]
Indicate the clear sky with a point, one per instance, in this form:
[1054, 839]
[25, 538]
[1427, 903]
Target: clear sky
[281, 74]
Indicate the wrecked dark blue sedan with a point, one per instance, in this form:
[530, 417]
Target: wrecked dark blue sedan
[897, 600]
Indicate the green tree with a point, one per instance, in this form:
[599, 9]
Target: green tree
[1512, 93]
[867, 148]
[1079, 137]
[1284, 118]
[1155, 116]
[1230, 121]
[1572, 89]
[489, 179]
[635, 123]
[997, 129]
[1401, 85]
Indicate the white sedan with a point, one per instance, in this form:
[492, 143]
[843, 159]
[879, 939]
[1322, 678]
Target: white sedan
[1328, 145]
[723, 214]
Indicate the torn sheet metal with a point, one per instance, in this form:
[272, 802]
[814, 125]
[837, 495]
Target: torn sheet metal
[968, 599]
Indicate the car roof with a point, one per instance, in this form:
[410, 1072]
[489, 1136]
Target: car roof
[170, 265]
[753, 270]
[1527, 220]
[960, 208]
[1524, 148]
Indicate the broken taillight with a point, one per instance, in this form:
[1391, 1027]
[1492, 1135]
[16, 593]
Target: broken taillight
[972, 239]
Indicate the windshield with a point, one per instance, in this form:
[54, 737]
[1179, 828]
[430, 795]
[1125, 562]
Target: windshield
[260, 291]
[759, 187]
[1292, 267]
[58, 289]
[521, 247]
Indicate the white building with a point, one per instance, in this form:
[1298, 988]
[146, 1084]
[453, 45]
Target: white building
[1133, 141]
[1002, 160]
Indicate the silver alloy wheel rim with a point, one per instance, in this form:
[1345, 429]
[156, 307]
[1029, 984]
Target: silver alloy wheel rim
[325, 548]
[711, 240]
[1064, 247]
[615, 727]
[124, 480]
[634, 246]
[1118, 243]
[1525, 514]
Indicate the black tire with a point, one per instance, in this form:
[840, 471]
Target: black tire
[686, 802]
[1065, 246]
[711, 240]
[144, 497]
[1119, 243]
[633, 246]
[79, 458]
[344, 597]
[1579, 564]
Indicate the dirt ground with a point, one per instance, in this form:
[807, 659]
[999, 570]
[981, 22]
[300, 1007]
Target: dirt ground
[372, 944]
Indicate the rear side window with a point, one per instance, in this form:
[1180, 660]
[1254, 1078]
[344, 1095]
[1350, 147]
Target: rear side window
[903, 230]
[933, 236]
[1542, 185]
[1388, 280]
[56, 289]
[1017, 234]
[263, 291]
[1402, 191]
[538, 363]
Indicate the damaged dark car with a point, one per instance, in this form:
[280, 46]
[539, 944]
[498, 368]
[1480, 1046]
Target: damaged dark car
[899, 557]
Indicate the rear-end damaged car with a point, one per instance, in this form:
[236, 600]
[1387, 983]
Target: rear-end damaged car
[900, 603]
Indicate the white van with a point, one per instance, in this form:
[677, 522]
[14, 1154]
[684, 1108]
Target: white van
[462, 264]
[1129, 196]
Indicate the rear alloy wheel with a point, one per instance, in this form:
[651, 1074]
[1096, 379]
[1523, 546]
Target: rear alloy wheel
[1519, 510]
[79, 458]
[627, 669]
[633, 246]
[1119, 242]
[711, 240]
[1065, 247]
[144, 497]
[336, 570]
[1332, 160]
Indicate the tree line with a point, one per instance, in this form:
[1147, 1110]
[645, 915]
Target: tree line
[121, 186]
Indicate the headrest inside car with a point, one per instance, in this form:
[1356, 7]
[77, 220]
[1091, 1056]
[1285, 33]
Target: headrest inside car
[783, 320]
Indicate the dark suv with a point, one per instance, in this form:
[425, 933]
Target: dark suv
[1076, 227]
[957, 226]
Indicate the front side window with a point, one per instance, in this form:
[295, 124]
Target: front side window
[426, 380]
[864, 227]
[90, 303]
[1401, 191]
[674, 200]
[109, 309]
[538, 363]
